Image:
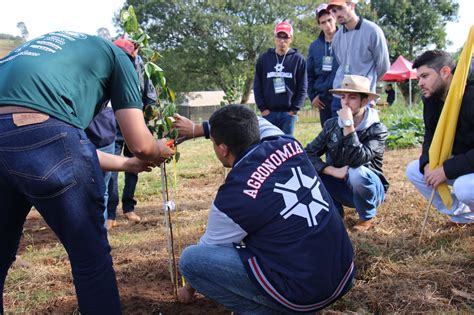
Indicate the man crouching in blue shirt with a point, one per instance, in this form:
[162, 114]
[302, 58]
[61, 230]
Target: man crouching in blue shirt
[274, 242]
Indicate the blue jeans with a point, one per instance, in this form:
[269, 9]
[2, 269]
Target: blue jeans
[218, 273]
[54, 167]
[362, 190]
[283, 120]
[107, 175]
[462, 194]
[128, 194]
[325, 113]
[335, 106]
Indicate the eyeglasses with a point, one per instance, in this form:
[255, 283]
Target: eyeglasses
[280, 37]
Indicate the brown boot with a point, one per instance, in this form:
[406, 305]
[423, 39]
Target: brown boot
[111, 224]
[363, 225]
[132, 216]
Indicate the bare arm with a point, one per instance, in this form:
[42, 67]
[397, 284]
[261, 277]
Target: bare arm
[139, 139]
[111, 162]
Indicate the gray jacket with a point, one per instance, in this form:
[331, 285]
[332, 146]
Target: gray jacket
[362, 51]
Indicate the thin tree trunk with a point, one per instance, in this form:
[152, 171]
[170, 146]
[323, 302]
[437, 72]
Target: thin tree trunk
[246, 91]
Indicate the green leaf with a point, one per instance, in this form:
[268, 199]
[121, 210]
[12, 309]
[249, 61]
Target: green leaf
[129, 20]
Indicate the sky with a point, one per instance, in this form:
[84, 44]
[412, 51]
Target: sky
[42, 16]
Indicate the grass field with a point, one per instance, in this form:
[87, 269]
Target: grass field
[395, 274]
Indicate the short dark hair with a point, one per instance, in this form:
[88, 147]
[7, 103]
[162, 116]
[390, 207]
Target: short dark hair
[320, 14]
[363, 95]
[236, 126]
[434, 59]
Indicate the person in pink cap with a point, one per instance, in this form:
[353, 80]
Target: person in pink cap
[280, 81]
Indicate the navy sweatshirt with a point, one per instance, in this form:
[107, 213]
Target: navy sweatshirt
[294, 74]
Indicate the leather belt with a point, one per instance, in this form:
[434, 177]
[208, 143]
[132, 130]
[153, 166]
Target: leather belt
[11, 109]
[24, 116]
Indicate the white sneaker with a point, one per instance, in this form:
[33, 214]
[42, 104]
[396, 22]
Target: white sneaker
[462, 219]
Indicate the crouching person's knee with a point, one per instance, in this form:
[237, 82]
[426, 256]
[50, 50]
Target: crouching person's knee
[189, 260]
[358, 176]
[463, 189]
[412, 171]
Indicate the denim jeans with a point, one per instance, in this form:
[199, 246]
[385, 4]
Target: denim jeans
[283, 120]
[128, 194]
[107, 175]
[362, 190]
[463, 194]
[218, 273]
[54, 167]
[325, 113]
[335, 106]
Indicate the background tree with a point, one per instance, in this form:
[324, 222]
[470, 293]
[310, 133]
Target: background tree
[104, 33]
[208, 45]
[413, 26]
[24, 30]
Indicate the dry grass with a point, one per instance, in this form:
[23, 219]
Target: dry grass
[394, 275]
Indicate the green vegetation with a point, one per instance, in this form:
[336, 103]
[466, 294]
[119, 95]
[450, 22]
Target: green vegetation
[405, 125]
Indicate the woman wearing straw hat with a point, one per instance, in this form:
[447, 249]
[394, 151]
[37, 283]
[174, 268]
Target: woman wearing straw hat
[354, 142]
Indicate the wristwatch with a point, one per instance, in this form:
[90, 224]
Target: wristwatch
[348, 122]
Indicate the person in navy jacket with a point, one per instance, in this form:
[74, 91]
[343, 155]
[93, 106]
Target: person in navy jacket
[274, 241]
[321, 64]
[280, 81]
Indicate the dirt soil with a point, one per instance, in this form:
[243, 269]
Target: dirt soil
[384, 285]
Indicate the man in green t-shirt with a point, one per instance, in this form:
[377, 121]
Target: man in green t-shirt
[50, 89]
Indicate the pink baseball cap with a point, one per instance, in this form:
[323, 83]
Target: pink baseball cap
[284, 27]
[126, 45]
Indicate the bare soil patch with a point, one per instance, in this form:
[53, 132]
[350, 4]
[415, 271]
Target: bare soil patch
[395, 275]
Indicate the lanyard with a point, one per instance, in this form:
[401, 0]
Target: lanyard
[326, 45]
[279, 66]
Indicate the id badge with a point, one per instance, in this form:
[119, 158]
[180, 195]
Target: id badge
[347, 69]
[327, 63]
[279, 85]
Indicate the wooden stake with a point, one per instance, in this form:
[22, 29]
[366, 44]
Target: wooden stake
[426, 215]
[169, 229]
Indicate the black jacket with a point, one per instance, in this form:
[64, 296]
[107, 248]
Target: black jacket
[361, 148]
[462, 161]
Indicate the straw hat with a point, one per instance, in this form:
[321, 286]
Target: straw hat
[355, 84]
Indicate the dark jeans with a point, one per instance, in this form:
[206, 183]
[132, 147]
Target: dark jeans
[326, 112]
[54, 167]
[283, 120]
[335, 106]
[128, 194]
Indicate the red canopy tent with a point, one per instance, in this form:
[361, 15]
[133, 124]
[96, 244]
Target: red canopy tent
[401, 70]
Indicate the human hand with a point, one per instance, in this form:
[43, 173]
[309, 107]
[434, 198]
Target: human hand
[184, 126]
[345, 113]
[292, 113]
[186, 294]
[165, 151]
[435, 177]
[135, 165]
[341, 172]
[337, 172]
[266, 112]
[318, 103]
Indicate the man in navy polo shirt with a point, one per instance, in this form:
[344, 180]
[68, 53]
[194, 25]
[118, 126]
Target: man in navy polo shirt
[274, 240]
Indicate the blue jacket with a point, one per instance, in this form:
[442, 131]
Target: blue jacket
[319, 81]
[101, 130]
[294, 74]
[284, 225]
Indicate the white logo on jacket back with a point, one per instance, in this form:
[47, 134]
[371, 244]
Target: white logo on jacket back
[302, 197]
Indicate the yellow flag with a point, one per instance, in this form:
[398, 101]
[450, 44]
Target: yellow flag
[443, 139]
